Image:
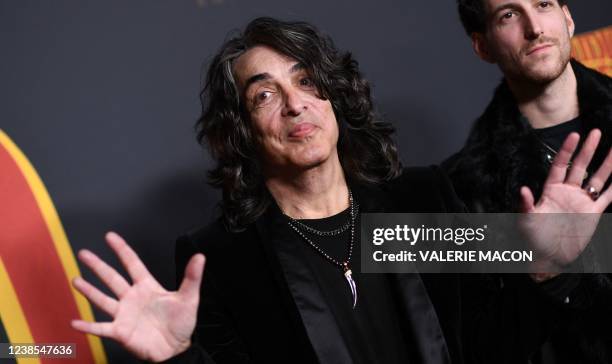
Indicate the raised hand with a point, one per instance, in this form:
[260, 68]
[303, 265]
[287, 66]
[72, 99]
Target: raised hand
[150, 322]
[559, 239]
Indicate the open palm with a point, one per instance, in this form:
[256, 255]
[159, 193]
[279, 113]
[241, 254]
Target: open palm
[152, 323]
[565, 217]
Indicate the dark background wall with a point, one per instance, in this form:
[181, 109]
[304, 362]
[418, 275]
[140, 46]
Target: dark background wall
[102, 97]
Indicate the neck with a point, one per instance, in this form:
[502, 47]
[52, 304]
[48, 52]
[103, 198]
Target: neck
[549, 104]
[312, 194]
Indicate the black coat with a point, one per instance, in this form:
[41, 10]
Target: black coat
[248, 313]
[502, 154]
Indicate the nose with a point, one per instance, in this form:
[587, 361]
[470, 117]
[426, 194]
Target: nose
[533, 28]
[294, 102]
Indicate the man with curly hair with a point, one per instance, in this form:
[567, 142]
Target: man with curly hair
[544, 97]
[288, 119]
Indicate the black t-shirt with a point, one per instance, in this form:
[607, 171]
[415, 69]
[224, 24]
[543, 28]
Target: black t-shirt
[371, 330]
[554, 136]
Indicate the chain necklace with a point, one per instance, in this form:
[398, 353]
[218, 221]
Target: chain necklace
[344, 266]
[550, 153]
[312, 230]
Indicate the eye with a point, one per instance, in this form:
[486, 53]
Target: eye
[545, 4]
[306, 82]
[507, 15]
[263, 96]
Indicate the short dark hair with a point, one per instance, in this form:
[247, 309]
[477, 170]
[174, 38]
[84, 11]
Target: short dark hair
[474, 16]
[365, 147]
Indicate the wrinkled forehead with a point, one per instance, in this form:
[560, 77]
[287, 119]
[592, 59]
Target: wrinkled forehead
[261, 61]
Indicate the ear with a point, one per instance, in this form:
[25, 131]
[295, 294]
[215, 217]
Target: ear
[569, 20]
[481, 47]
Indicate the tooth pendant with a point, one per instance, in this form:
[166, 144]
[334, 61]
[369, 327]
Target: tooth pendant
[348, 274]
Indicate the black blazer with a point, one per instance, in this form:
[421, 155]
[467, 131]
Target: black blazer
[248, 312]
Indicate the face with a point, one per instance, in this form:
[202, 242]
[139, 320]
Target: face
[529, 40]
[295, 127]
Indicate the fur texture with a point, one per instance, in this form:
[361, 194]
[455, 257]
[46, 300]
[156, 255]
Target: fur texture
[502, 152]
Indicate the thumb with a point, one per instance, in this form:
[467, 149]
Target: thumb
[527, 200]
[190, 286]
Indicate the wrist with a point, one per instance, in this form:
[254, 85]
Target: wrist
[542, 270]
[180, 349]
[542, 277]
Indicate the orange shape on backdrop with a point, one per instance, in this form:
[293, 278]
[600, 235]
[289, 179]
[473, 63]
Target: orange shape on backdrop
[594, 49]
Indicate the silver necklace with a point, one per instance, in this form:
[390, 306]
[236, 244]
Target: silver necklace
[312, 230]
[345, 265]
[550, 153]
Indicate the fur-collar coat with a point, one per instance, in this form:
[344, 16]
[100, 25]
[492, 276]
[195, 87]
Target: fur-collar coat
[503, 153]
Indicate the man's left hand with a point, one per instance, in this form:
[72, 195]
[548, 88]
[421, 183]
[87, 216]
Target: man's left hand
[559, 240]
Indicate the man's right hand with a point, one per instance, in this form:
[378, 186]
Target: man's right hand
[150, 322]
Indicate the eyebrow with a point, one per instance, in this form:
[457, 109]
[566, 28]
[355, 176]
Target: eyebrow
[508, 5]
[266, 76]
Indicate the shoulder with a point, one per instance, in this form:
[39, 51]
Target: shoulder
[218, 244]
[425, 189]
[430, 180]
[214, 231]
[594, 95]
[592, 76]
[451, 162]
[213, 239]
[203, 238]
[420, 175]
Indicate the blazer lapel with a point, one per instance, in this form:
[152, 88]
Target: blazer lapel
[423, 324]
[313, 314]
[414, 302]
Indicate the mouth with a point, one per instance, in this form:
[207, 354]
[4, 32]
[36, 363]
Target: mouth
[538, 48]
[302, 130]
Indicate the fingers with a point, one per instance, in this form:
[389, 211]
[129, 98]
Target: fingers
[130, 260]
[599, 179]
[604, 200]
[105, 272]
[558, 169]
[102, 301]
[527, 199]
[190, 286]
[582, 160]
[104, 329]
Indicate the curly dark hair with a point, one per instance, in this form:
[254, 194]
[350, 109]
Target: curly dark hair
[474, 17]
[365, 147]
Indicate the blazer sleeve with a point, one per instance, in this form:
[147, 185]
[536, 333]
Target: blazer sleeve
[215, 339]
